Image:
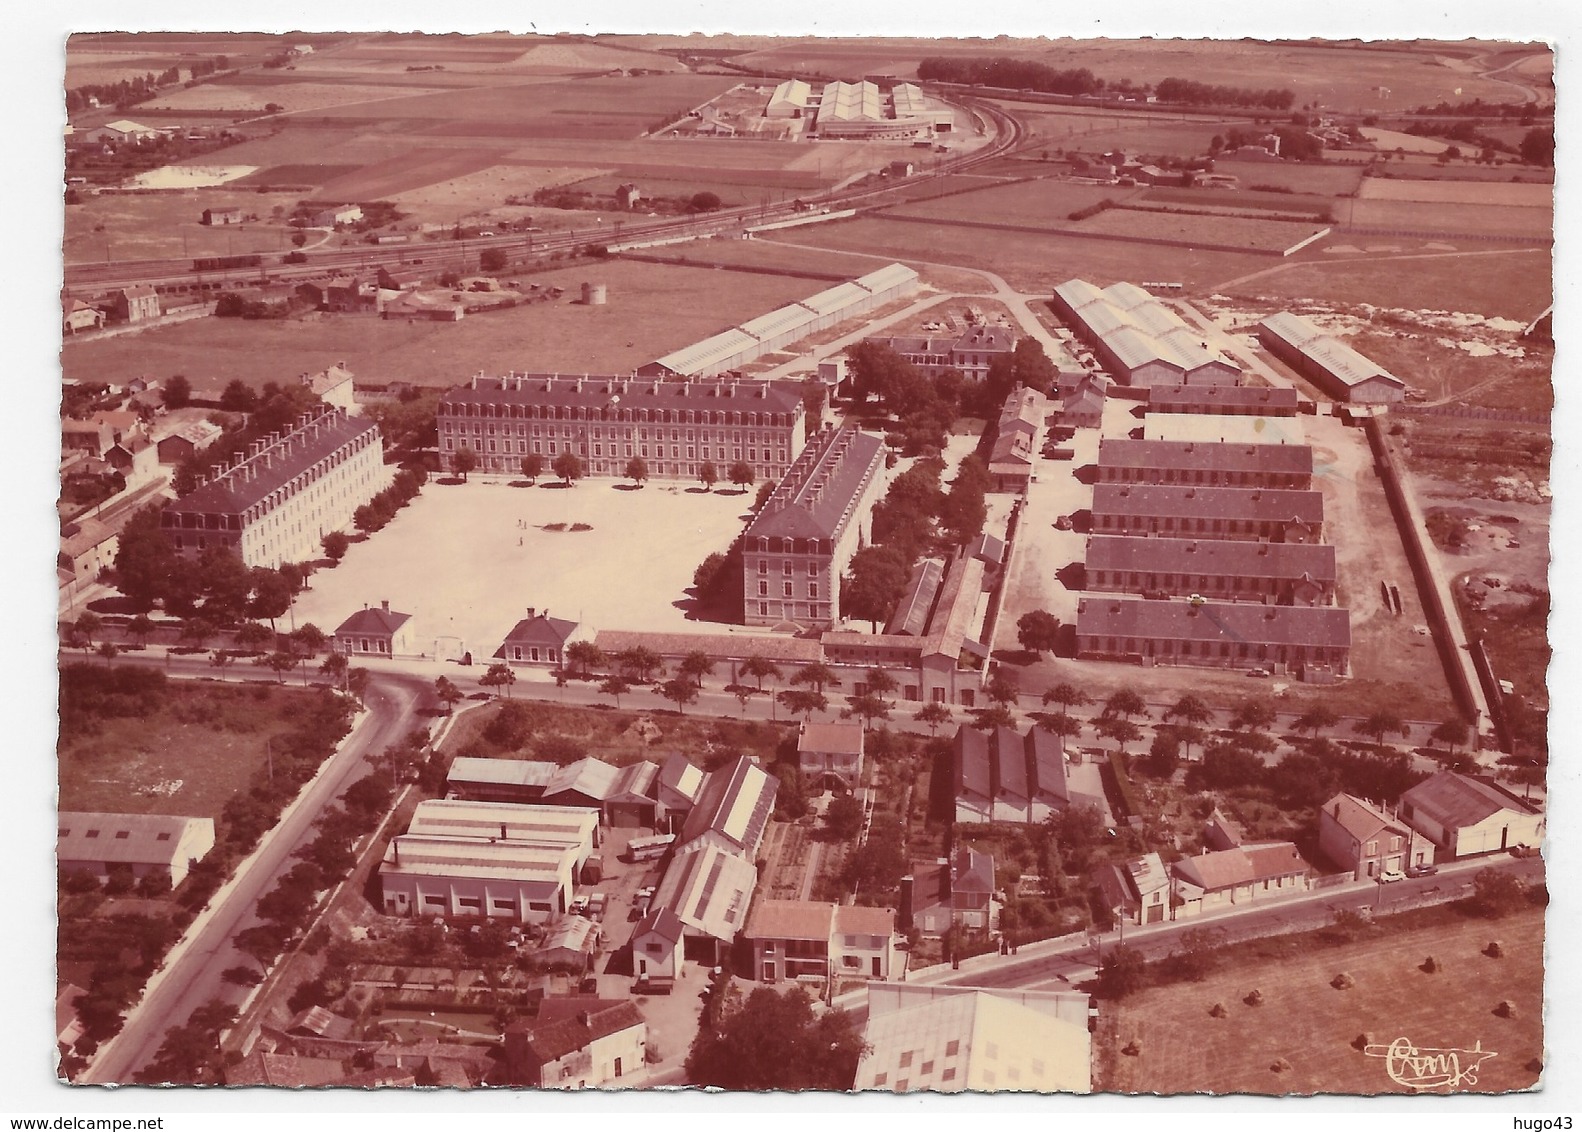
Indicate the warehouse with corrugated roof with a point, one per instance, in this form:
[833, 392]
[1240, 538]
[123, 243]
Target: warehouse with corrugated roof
[1138, 339]
[1327, 362]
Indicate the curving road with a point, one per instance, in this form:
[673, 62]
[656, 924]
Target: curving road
[191, 975]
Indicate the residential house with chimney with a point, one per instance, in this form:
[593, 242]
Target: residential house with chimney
[1138, 891]
[808, 940]
[1213, 881]
[537, 639]
[954, 891]
[138, 303]
[376, 632]
[576, 1043]
[1367, 839]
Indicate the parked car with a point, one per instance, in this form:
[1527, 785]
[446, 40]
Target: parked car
[1424, 870]
[1390, 876]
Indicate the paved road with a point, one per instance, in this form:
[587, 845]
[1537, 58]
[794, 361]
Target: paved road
[192, 972]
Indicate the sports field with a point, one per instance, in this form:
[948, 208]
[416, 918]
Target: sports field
[1308, 1026]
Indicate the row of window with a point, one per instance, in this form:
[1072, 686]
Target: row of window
[1211, 649]
[612, 433]
[604, 413]
[812, 589]
[1206, 476]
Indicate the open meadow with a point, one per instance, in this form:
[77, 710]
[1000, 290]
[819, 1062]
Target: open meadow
[652, 309]
[1308, 1027]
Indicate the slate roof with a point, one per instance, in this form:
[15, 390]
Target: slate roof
[911, 613]
[538, 630]
[1005, 765]
[817, 497]
[1214, 621]
[733, 646]
[374, 622]
[1213, 455]
[661, 922]
[1361, 819]
[1209, 398]
[253, 480]
[1183, 501]
[636, 393]
[1230, 558]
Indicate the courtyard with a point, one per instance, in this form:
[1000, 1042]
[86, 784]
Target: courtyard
[467, 560]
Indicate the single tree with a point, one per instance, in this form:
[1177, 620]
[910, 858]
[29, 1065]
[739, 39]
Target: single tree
[799, 701]
[758, 667]
[221, 660]
[933, 714]
[1125, 704]
[252, 634]
[583, 655]
[108, 650]
[708, 474]
[1253, 716]
[568, 466]
[140, 628]
[879, 682]
[335, 545]
[308, 639]
[498, 677]
[868, 707]
[464, 461]
[843, 818]
[447, 693]
[817, 674]
[335, 666]
[532, 467]
[1120, 729]
[992, 716]
[1381, 723]
[1067, 696]
[1124, 971]
[695, 666]
[1317, 718]
[279, 663]
[238, 397]
[177, 392]
[1038, 631]
[741, 474]
[1193, 714]
[637, 470]
[88, 626]
[679, 691]
[1066, 726]
[1453, 732]
[1002, 688]
[615, 687]
[638, 662]
[197, 630]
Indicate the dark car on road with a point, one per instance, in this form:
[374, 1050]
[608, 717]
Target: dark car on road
[1421, 870]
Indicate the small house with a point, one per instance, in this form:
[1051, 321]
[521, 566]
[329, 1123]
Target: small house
[537, 639]
[657, 947]
[375, 632]
[576, 1043]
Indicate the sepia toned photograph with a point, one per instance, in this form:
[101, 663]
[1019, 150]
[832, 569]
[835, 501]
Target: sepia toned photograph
[628, 561]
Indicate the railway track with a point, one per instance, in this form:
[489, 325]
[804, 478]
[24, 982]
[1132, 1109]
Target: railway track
[179, 275]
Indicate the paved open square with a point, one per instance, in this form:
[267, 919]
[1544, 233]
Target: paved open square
[468, 560]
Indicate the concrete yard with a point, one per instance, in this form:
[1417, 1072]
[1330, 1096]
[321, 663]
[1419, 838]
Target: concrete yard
[467, 560]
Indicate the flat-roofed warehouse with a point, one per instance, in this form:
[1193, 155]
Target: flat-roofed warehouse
[1274, 514]
[1327, 362]
[674, 425]
[1211, 463]
[506, 821]
[1138, 339]
[1287, 573]
[1314, 643]
[459, 876]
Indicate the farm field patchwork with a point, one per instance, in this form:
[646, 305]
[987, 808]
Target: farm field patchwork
[158, 225]
[1503, 195]
[1473, 219]
[1043, 203]
[1215, 231]
[1311, 1025]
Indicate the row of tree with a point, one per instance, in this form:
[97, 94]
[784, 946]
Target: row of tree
[1025, 74]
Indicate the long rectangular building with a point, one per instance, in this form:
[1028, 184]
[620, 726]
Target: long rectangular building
[1214, 428]
[1212, 464]
[969, 354]
[1222, 569]
[425, 875]
[1177, 511]
[290, 489]
[1232, 400]
[797, 548]
[1327, 362]
[1139, 340]
[738, 345]
[675, 426]
[1309, 642]
[503, 821]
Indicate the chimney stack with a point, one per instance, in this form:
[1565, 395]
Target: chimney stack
[385, 605]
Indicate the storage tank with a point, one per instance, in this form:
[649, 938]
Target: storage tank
[595, 294]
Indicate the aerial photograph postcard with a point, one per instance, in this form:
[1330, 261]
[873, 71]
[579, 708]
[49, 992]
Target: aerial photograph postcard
[632, 561]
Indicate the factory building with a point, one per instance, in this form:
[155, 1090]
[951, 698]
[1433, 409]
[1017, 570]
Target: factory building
[1138, 339]
[1326, 361]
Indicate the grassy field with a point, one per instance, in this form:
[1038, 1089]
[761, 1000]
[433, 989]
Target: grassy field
[1031, 262]
[1246, 201]
[1473, 219]
[1332, 179]
[1256, 235]
[1510, 284]
[1442, 370]
[1311, 1025]
[1503, 195]
[154, 225]
[653, 309]
[190, 757]
[1047, 203]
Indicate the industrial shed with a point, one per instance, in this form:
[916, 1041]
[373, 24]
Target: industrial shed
[1140, 341]
[1327, 362]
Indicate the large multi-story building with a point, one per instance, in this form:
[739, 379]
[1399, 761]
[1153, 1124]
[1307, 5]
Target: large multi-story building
[289, 490]
[796, 549]
[969, 354]
[674, 426]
